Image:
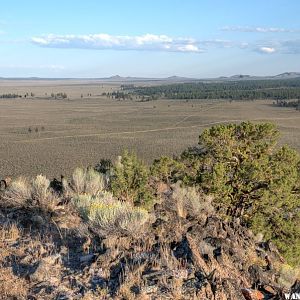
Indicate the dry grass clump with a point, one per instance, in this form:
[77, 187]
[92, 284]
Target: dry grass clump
[85, 182]
[109, 216]
[189, 201]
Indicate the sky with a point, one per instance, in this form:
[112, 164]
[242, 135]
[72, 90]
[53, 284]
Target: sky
[148, 38]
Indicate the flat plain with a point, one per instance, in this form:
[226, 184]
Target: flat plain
[39, 135]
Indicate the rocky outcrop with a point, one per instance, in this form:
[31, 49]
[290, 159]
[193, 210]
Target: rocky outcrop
[178, 256]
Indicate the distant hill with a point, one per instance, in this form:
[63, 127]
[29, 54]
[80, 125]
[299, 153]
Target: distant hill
[171, 79]
[174, 78]
[288, 75]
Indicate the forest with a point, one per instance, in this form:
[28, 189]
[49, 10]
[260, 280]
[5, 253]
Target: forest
[286, 89]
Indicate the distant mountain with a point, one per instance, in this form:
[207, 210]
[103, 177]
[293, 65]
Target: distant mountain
[118, 78]
[288, 75]
[171, 79]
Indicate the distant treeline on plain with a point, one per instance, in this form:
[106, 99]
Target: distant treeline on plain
[31, 95]
[286, 89]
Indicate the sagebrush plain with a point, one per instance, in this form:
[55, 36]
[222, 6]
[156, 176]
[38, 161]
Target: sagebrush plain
[43, 135]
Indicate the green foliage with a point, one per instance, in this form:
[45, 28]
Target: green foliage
[167, 169]
[231, 90]
[252, 181]
[130, 180]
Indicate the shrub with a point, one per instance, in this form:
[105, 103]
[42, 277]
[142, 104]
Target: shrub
[189, 200]
[84, 202]
[130, 180]
[167, 169]
[254, 182]
[108, 216]
[23, 194]
[85, 182]
[288, 275]
[40, 188]
[18, 194]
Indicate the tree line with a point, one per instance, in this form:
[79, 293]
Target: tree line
[286, 89]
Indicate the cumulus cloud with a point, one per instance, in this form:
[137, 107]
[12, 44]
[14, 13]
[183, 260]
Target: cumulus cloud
[267, 50]
[165, 43]
[279, 46]
[150, 42]
[259, 29]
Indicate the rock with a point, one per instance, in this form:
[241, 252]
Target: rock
[258, 277]
[269, 289]
[251, 294]
[48, 267]
[38, 220]
[86, 258]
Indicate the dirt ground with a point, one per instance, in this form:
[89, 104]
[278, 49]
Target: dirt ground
[55, 136]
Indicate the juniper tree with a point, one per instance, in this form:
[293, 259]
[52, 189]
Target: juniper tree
[130, 180]
[255, 181]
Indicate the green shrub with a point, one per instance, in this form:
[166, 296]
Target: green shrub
[130, 181]
[254, 182]
[167, 169]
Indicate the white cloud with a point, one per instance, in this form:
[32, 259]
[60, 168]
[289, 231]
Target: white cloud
[279, 46]
[103, 41]
[259, 29]
[164, 43]
[267, 50]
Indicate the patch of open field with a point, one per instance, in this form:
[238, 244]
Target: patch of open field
[79, 132]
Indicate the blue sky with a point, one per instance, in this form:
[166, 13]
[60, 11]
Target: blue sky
[157, 38]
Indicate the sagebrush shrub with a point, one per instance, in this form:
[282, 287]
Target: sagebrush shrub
[41, 193]
[109, 216]
[190, 200]
[83, 181]
[36, 194]
[18, 194]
